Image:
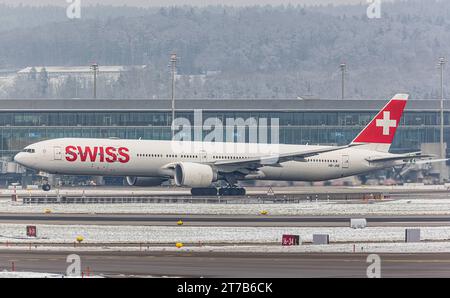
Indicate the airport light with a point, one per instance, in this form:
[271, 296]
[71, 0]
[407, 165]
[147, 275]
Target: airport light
[173, 67]
[94, 67]
[343, 68]
[441, 64]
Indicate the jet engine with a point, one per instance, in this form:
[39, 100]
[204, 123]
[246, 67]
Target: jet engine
[145, 181]
[194, 174]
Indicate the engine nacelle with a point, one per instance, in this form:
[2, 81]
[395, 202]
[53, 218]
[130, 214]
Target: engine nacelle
[145, 181]
[194, 174]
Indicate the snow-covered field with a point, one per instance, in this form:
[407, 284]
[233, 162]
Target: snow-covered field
[15, 233]
[397, 207]
[19, 274]
[423, 247]
[419, 204]
[15, 274]
[382, 247]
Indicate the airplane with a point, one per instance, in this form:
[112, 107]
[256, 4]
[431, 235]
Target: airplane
[153, 162]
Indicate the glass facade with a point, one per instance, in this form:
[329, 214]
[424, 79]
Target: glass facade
[19, 129]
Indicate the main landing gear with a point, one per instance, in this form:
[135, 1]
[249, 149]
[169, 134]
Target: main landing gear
[223, 191]
[232, 191]
[204, 191]
[46, 187]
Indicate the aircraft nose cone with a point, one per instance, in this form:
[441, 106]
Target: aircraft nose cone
[19, 158]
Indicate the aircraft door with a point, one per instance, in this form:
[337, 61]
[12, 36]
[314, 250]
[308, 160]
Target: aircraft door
[203, 156]
[57, 153]
[345, 161]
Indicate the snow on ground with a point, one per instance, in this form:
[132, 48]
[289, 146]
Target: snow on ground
[16, 274]
[14, 233]
[19, 274]
[398, 207]
[365, 248]
[423, 247]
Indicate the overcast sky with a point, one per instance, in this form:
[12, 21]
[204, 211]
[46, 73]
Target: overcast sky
[147, 3]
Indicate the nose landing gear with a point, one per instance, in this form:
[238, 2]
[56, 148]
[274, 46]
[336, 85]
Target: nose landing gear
[46, 187]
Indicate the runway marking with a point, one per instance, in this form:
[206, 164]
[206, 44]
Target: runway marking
[415, 261]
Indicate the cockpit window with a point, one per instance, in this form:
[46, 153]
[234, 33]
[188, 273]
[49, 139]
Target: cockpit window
[28, 150]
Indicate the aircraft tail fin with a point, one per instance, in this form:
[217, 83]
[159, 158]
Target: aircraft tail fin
[379, 133]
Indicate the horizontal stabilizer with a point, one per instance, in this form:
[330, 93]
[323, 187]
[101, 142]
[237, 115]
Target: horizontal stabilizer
[425, 161]
[398, 157]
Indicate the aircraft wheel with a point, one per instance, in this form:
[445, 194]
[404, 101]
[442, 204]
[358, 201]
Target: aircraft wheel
[204, 191]
[242, 191]
[232, 191]
[46, 187]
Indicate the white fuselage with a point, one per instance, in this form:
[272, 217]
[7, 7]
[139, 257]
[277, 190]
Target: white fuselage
[148, 158]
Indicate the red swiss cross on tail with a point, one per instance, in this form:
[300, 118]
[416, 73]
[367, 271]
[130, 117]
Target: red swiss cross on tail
[379, 133]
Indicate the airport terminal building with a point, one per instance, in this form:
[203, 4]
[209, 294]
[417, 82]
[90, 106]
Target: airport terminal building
[312, 121]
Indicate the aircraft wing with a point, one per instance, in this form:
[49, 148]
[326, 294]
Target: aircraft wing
[272, 160]
[404, 157]
[425, 161]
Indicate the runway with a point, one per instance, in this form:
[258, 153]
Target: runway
[226, 265]
[217, 220]
[159, 194]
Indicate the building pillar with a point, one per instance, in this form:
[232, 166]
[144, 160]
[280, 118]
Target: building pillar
[99, 180]
[26, 180]
[52, 179]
